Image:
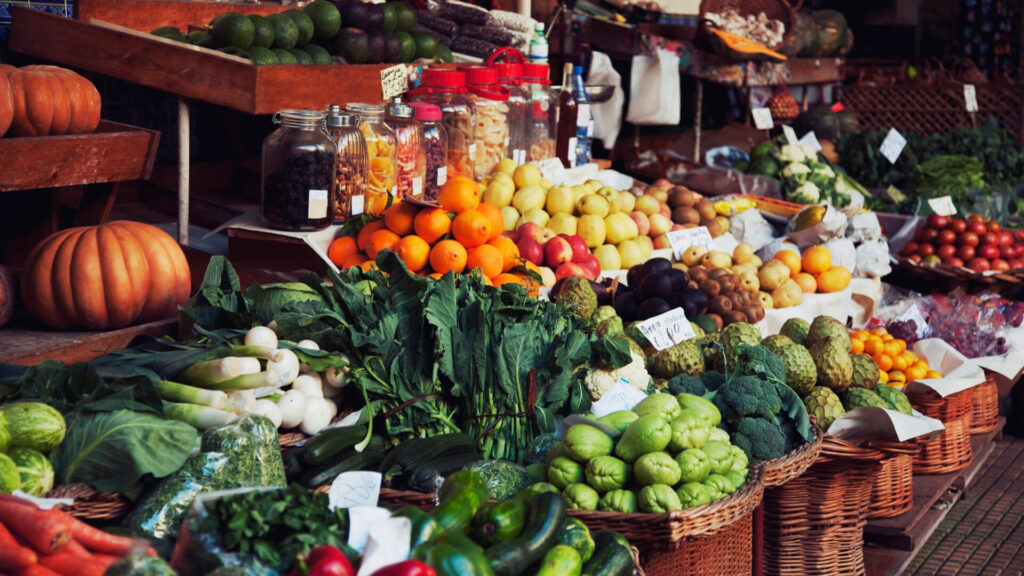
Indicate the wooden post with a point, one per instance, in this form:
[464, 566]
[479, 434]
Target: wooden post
[183, 165]
[697, 120]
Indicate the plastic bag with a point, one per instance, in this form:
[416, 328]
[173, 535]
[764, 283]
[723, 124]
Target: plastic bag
[138, 564]
[750, 227]
[716, 181]
[873, 259]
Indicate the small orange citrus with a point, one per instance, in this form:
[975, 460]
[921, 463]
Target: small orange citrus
[414, 251]
[356, 259]
[363, 238]
[487, 258]
[472, 228]
[399, 218]
[791, 260]
[459, 194]
[493, 214]
[816, 259]
[341, 248]
[509, 252]
[807, 283]
[448, 255]
[381, 240]
[431, 224]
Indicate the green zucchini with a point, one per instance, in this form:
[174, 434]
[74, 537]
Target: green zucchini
[576, 535]
[351, 460]
[499, 521]
[612, 556]
[545, 518]
[417, 452]
[424, 527]
[327, 443]
[461, 495]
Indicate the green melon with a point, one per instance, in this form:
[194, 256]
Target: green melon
[34, 425]
[831, 31]
[796, 38]
[812, 39]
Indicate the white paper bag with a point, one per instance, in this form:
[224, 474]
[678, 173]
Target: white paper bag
[607, 115]
[654, 92]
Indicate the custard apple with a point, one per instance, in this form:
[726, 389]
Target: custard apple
[857, 397]
[776, 343]
[824, 406]
[796, 330]
[735, 334]
[894, 397]
[865, 372]
[712, 357]
[683, 358]
[828, 327]
[801, 373]
[835, 369]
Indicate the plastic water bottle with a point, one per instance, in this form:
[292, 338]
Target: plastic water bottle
[584, 118]
[538, 45]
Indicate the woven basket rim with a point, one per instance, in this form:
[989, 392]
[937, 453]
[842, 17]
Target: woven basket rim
[833, 448]
[88, 503]
[780, 470]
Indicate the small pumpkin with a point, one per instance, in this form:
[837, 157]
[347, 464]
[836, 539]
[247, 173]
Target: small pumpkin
[7, 296]
[832, 29]
[6, 101]
[105, 276]
[50, 100]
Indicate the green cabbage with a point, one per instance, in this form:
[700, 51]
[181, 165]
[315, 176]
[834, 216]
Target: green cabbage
[270, 299]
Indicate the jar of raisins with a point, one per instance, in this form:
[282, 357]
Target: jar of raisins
[381, 147]
[435, 147]
[350, 169]
[412, 161]
[297, 173]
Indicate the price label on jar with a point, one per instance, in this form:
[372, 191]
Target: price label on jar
[790, 134]
[763, 118]
[893, 145]
[970, 97]
[680, 240]
[943, 206]
[666, 330]
[316, 209]
[394, 81]
[417, 187]
[442, 175]
[358, 205]
[811, 141]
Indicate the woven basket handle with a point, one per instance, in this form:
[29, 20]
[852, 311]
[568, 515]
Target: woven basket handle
[794, 7]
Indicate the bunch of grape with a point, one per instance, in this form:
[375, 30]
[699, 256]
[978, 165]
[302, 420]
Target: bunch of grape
[905, 330]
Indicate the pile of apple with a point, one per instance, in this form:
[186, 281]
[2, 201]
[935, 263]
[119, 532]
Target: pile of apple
[558, 256]
[974, 243]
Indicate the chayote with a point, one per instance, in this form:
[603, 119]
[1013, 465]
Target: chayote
[694, 465]
[740, 462]
[720, 456]
[718, 435]
[606, 473]
[721, 483]
[689, 430]
[564, 471]
[658, 499]
[664, 405]
[737, 478]
[557, 449]
[581, 497]
[656, 468]
[623, 501]
[647, 434]
[583, 442]
[706, 407]
[620, 420]
[693, 494]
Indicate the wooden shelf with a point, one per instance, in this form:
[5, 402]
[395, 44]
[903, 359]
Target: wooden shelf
[114, 152]
[114, 48]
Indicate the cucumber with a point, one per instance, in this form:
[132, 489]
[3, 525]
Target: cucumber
[417, 452]
[545, 518]
[461, 495]
[327, 443]
[561, 560]
[612, 556]
[368, 459]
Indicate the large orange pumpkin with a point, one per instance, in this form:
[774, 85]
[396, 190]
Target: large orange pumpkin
[6, 101]
[105, 276]
[49, 100]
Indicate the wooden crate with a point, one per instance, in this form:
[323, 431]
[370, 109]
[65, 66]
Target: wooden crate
[119, 49]
[114, 152]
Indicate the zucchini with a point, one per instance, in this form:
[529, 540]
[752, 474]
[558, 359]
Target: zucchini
[612, 557]
[427, 477]
[499, 521]
[424, 527]
[461, 495]
[321, 447]
[545, 518]
[368, 459]
[417, 452]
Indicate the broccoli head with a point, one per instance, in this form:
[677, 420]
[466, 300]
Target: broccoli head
[760, 361]
[688, 384]
[760, 439]
[747, 396]
[712, 379]
[577, 294]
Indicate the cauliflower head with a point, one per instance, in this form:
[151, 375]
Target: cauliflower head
[795, 169]
[806, 193]
[599, 381]
[792, 153]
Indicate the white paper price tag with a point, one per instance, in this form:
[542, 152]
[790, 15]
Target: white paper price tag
[763, 118]
[943, 206]
[790, 134]
[811, 141]
[666, 330]
[442, 175]
[622, 396]
[893, 145]
[553, 170]
[971, 97]
[680, 240]
[394, 81]
[358, 205]
[351, 489]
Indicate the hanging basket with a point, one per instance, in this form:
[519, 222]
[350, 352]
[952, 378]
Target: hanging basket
[950, 451]
[985, 406]
[892, 489]
[728, 553]
[780, 10]
[90, 504]
[785, 468]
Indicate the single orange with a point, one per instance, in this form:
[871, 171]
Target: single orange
[472, 228]
[507, 278]
[435, 275]
[892, 348]
[916, 372]
[807, 283]
[381, 240]
[873, 347]
[487, 258]
[363, 238]
[368, 265]
[341, 248]
[414, 251]
[835, 279]
[487, 281]
[857, 346]
[902, 344]
[899, 363]
[933, 374]
[790, 259]
[493, 214]
[399, 218]
[459, 194]
[816, 259]
[431, 224]
[879, 331]
[861, 334]
[509, 252]
[883, 360]
[356, 259]
[448, 255]
[897, 376]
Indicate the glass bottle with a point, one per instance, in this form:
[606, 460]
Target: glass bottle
[297, 172]
[381, 143]
[510, 76]
[411, 160]
[565, 144]
[435, 147]
[351, 162]
[447, 89]
[538, 45]
[584, 117]
[541, 113]
[492, 132]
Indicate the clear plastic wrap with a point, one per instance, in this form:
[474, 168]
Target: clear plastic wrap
[716, 181]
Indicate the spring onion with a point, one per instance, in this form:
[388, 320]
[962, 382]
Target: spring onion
[240, 401]
[176, 392]
[199, 416]
[285, 364]
[293, 408]
[309, 384]
[261, 336]
[206, 374]
[269, 410]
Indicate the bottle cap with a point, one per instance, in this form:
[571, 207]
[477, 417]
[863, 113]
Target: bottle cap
[537, 73]
[341, 119]
[509, 72]
[399, 110]
[427, 111]
[481, 76]
[443, 78]
[577, 69]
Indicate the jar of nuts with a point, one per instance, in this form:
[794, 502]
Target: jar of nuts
[350, 179]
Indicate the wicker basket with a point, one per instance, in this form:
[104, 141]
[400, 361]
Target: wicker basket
[985, 406]
[728, 553]
[892, 489]
[291, 439]
[959, 275]
[90, 504]
[814, 524]
[785, 468]
[673, 529]
[780, 10]
[950, 451]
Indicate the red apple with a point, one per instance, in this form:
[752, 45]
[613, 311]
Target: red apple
[989, 238]
[966, 252]
[915, 258]
[1018, 250]
[988, 251]
[1016, 263]
[975, 218]
[536, 232]
[977, 227]
[1000, 264]
[954, 261]
[531, 250]
[958, 225]
[643, 223]
[946, 237]
[579, 247]
[557, 251]
[945, 251]
[926, 250]
[569, 269]
[992, 226]
[1006, 252]
[1005, 237]
[591, 265]
[978, 264]
[938, 222]
[910, 248]
[969, 239]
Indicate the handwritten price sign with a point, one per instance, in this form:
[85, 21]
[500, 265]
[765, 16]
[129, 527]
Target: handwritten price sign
[394, 81]
[893, 145]
[667, 330]
[680, 240]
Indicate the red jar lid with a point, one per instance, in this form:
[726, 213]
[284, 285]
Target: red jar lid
[537, 73]
[480, 75]
[427, 111]
[509, 72]
[443, 78]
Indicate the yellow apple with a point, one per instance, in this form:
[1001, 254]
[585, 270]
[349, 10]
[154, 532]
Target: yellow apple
[510, 216]
[505, 166]
[527, 175]
[608, 256]
[500, 190]
[560, 200]
[563, 223]
[529, 198]
[631, 253]
[593, 204]
[591, 228]
[537, 216]
[627, 201]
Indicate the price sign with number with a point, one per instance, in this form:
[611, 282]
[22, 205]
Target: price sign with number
[943, 206]
[680, 240]
[811, 141]
[971, 97]
[893, 145]
[394, 81]
[763, 118]
[622, 396]
[666, 330]
[790, 134]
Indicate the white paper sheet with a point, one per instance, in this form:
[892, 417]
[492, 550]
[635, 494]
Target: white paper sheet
[362, 519]
[871, 421]
[958, 373]
[387, 544]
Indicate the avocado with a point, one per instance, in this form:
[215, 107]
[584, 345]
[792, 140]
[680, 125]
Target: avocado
[408, 45]
[319, 54]
[301, 56]
[394, 48]
[444, 54]
[199, 38]
[286, 32]
[326, 19]
[262, 56]
[377, 50]
[169, 32]
[405, 17]
[285, 56]
[353, 45]
[426, 45]
[390, 18]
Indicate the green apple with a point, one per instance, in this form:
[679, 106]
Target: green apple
[627, 201]
[612, 196]
[631, 252]
[563, 223]
[560, 200]
[529, 198]
[510, 216]
[592, 229]
[527, 175]
[593, 204]
[505, 166]
[608, 256]
[500, 190]
[535, 215]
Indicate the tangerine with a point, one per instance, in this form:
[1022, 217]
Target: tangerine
[381, 240]
[493, 214]
[414, 251]
[857, 346]
[459, 194]
[472, 228]
[791, 260]
[431, 224]
[435, 275]
[883, 360]
[835, 279]
[363, 238]
[933, 374]
[341, 248]
[816, 259]
[509, 252]
[356, 259]
[448, 255]
[399, 218]
[807, 283]
[883, 377]
[487, 258]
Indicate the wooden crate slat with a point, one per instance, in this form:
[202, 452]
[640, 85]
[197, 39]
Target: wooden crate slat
[152, 14]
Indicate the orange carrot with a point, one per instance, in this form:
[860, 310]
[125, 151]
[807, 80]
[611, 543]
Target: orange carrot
[70, 565]
[36, 570]
[46, 531]
[76, 549]
[14, 557]
[96, 540]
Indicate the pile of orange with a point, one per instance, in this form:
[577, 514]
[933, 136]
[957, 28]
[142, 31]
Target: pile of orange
[814, 271]
[896, 364]
[460, 236]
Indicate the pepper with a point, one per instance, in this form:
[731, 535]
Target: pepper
[323, 561]
[407, 568]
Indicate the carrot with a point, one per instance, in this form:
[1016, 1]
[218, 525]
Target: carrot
[45, 530]
[96, 540]
[13, 557]
[76, 549]
[70, 565]
[36, 570]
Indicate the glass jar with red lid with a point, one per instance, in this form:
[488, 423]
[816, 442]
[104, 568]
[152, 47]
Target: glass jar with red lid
[510, 76]
[540, 118]
[411, 160]
[492, 132]
[447, 90]
[435, 148]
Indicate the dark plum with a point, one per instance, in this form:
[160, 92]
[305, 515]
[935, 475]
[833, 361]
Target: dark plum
[679, 278]
[655, 285]
[626, 305]
[651, 308]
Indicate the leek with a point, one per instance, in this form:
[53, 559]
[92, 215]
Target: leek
[201, 417]
[176, 392]
[204, 374]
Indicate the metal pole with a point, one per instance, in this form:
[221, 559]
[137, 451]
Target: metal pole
[183, 167]
[696, 121]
